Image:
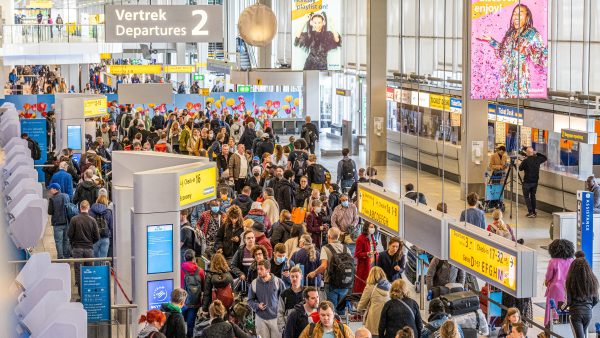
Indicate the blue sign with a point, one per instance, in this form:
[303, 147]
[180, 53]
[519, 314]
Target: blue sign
[74, 137]
[36, 129]
[159, 292]
[455, 103]
[160, 248]
[95, 292]
[585, 229]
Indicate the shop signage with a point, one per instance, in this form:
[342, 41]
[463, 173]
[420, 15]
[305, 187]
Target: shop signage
[414, 98]
[405, 96]
[343, 92]
[487, 260]
[507, 114]
[377, 207]
[197, 186]
[585, 224]
[95, 292]
[179, 69]
[94, 107]
[423, 100]
[152, 23]
[578, 136]
[455, 105]
[134, 69]
[198, 77]
[440, 102]
[491, 112]
[398, 95]
[389, 94]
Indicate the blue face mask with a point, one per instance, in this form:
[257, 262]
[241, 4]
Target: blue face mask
[214, 209]
[280, 260]
[345, 204]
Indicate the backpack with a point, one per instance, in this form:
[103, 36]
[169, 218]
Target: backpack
[224, 294]
[71, 209]
[318, 174]
[298, 215]
[199, 244]
[299, 165]
[347, 169]
[311, 137]
[341, 268]
[193, 286]
[160, 147]
[36, 152]
[102, 225]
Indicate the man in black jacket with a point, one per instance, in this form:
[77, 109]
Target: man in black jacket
[298, 318]
[244, 201]
[531, 167]
[362, 178]
[284, 191]
[87, 189]
[248, 136]
[58, 210]
[175, 326]
[310, 133]
[83, 233]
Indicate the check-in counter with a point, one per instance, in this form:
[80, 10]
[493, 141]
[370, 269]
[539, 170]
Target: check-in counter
[565, 227]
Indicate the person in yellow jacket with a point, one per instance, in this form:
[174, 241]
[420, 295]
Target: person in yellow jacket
[326, 324]
[185, 136]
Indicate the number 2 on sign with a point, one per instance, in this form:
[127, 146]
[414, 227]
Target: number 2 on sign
[203, 18]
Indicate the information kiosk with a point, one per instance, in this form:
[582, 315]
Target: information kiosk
[72, 112]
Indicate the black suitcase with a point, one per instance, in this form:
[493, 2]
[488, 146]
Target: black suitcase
[458, 303]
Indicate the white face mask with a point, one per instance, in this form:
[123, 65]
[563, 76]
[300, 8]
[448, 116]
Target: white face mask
[371, 231]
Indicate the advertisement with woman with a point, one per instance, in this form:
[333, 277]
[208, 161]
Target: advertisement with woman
[509, 49]
[316, 42]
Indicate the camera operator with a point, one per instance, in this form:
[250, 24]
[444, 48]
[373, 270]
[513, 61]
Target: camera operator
[593, 186]
[531, 167]
[499, 160]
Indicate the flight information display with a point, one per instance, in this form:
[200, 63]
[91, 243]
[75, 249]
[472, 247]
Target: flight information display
[160, 248]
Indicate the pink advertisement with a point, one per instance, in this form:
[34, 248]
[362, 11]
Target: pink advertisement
[509, 49]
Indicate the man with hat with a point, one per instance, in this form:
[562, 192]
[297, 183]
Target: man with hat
[57, 209]
[259, 230]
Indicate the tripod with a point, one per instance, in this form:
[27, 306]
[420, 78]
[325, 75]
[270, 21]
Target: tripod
[510, 179]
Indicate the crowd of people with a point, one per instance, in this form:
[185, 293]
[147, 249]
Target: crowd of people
[288, 254]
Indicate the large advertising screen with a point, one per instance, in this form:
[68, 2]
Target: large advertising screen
[509, 49]
[317, 40]
[159, 292]
[160, 248]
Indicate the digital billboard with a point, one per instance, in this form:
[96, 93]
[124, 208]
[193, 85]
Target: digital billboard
[509, 49]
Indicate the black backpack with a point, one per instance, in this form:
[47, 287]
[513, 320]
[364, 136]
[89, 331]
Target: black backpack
[341, 268]
[347, 169]
[299, 165]
[193, 287]
[311, 137]
[102, 225]
[36, 152]
[199, 243]
[318, 174]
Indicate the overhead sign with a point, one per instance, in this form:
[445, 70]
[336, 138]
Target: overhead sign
[244, 89]
[179, 69]
[40, 4]
[197, 186]
[507, 114]
[497, 260]
[172, 23]
[585, 224]
[578, 136]
[95, 292]
[134, 69]
[105, 56]
[94, 107]
[377, 206]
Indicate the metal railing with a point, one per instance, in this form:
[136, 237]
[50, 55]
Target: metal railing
[45, 33]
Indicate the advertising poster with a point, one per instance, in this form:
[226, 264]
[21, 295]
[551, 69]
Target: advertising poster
[317, 41]
[95, 292]
[36, 130]
[509, 49]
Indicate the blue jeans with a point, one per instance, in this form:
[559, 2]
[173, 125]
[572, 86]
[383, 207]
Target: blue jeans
[190, 313]
[335, 295]
[346, 185]
[101, 248]
[61, 240]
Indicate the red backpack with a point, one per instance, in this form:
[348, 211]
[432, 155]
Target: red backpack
[161, 147]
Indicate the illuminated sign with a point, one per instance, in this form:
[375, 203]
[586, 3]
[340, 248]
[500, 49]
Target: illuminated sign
[485, 259]
[40, 4]
[197, 186]
[159, 247]
[440, 102]
[205, 91]
[244, 89]
[343, 92]
[179, 69]
[94, 107]
[134, 69]
[172, 23]
[105, 56]
[374, 206]
[578, 136]
[198, 77]
[389, 94]
[455, 105]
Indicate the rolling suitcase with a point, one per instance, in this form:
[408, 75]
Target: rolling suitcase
[459, 303]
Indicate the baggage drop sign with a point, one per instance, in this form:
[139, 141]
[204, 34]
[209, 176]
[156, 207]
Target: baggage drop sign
[197, 186]
[375, 205]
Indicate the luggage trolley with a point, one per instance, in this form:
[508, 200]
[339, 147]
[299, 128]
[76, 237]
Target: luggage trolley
[494, 190]
[560, 324]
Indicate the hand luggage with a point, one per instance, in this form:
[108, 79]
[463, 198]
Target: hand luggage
[460, 302]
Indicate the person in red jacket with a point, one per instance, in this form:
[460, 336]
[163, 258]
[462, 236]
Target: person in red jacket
[366, 255]
[261, 239]
[193, 302]
[314, 222]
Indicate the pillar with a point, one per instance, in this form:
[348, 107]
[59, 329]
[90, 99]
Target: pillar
[376, 82]
[474, 122]
[71, 75]
[265, 54]
[181, 60]
[312, 95]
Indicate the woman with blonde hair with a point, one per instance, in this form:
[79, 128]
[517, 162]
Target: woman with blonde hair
[449, 330]
[174, 133]
[194, 143]
[513, 316]
[218, 326]
[399, 311]
[217, 277]
[500, 228]
[307, 256]
[375, 294]
[277, 157]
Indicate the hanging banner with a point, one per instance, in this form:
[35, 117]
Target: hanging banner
[509, 49]
[317, 41]
[196, 186]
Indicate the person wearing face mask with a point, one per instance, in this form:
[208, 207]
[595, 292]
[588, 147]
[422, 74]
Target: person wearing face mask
[210, 222]
[255, 183]
[392, 261]
[345, 218]
[303, 192]
[290, 297]
[280, 266]
[314, 223]
[366, 255]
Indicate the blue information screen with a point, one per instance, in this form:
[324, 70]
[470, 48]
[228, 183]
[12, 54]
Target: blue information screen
[160, 248]
[74, 137]
[159, 292]
[95, 292]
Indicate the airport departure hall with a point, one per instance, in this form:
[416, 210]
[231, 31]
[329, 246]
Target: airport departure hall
[299, 168]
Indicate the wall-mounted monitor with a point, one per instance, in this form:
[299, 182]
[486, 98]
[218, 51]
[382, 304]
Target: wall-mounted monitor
[74, 137]
[160, 249]
[159, 292]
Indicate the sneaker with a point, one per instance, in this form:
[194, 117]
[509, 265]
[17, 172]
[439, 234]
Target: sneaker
[531, 215]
